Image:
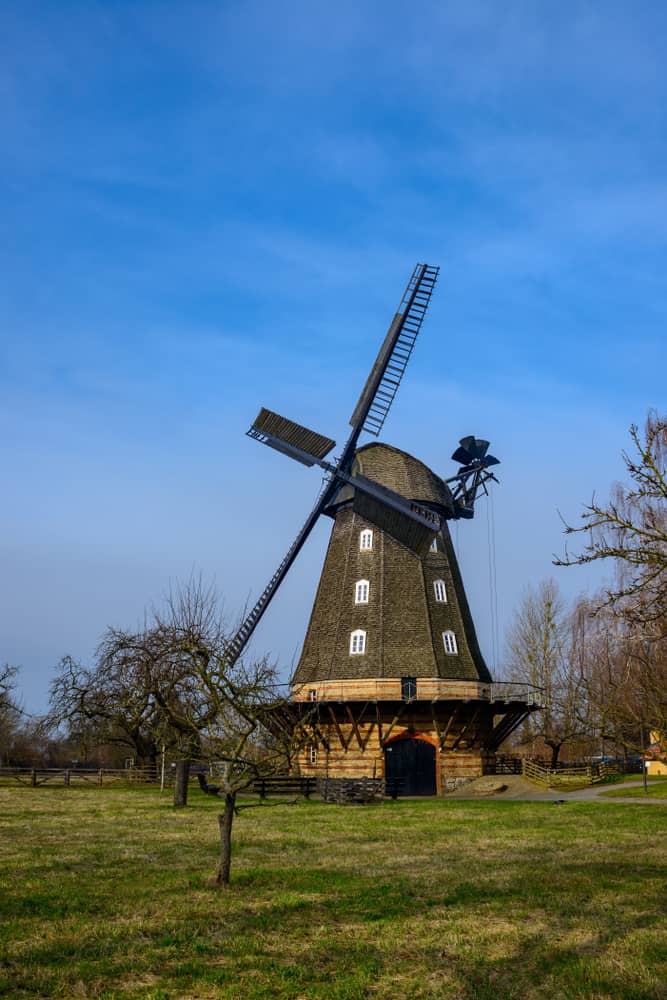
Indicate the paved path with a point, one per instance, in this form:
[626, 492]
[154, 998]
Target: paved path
[520, 790]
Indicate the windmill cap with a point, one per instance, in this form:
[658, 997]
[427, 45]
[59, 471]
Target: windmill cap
[401, 473]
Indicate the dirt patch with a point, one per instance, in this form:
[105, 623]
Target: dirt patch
[506, 786]
[489, 786]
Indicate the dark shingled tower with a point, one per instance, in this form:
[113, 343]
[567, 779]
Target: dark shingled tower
[391, 682]
[410, 600]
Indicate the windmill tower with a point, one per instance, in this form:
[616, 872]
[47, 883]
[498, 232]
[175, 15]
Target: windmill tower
[391, 681]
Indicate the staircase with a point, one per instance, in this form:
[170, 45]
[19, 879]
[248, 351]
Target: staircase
[411, 312]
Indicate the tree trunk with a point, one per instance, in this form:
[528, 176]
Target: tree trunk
[555, 751]
[181, 783]
[225, 821]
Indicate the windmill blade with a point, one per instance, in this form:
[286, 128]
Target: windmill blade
[462, 455]
[470, 449]
[290, 438]
[385, 376]
[242, 637]
[481, 448]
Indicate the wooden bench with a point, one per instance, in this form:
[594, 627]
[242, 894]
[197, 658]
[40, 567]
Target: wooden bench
[279, 785]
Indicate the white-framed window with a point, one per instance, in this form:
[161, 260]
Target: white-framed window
[361, 588]
[434, 545]
[366, 540]
[449, 642]
[440, 591]
[312, 753]
[312, 694]
[357, 642]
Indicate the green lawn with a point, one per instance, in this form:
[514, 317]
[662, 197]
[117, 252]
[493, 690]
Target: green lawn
[657, 789]
[107, 893]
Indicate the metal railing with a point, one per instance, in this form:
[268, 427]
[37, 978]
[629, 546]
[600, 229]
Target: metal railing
[427, 689]
[516, 691]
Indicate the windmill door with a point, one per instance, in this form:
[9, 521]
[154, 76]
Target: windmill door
[414, 762]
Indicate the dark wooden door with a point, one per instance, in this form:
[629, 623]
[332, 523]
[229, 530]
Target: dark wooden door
[414, 762]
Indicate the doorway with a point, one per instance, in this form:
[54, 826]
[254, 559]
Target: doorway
[414, 761]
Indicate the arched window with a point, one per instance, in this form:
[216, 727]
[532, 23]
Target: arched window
[366, 540]
[434, 544]
[449, 640]
[440, 591]
[357, 642]
[361, 592]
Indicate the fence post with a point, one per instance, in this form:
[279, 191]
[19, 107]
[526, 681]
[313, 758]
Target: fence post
[67, 779]
[99, 777]
[33, 778]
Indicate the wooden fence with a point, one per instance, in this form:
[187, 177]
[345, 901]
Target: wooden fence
[504, 764]
[565, 778]
[78, 776]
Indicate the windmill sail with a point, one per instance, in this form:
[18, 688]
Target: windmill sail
[251, 621]
[290, 438]
[386, 374]
[408, 523]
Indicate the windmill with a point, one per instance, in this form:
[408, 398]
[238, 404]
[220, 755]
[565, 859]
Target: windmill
[409, 523]
[422, 677]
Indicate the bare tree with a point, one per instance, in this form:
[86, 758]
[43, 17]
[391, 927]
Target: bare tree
[627, 652]
[626, 677]
[544, 649]
[228, 704]
[111, 703]
[10, 711]
[176, 676]
[630, 530]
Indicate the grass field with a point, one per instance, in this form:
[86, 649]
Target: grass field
[656, 789]
[107, 893]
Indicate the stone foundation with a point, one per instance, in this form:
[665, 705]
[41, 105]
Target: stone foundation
[451, 784]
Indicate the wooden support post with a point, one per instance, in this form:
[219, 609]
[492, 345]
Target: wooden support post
[352, 719]
[465, 729]
[319, 736]
[449, 725]
[436, 727]
[368, 735]
[507, 725]
[394, 721]
[378, 719]
[339, 731]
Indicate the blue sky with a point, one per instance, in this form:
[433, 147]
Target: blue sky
[208, 207]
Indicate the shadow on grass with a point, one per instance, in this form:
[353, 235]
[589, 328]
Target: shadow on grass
[279, 932]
